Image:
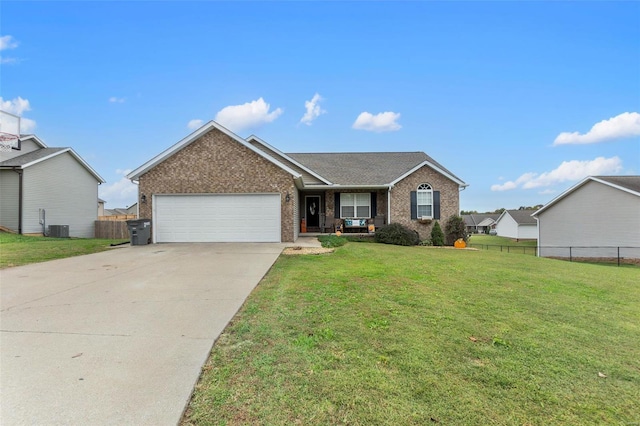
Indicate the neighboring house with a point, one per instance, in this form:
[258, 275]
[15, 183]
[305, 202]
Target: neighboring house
[594, 217]
[122, 211]
[101, 203]
[480, 223]
[215, 186]
[517, 224]
[41, 186]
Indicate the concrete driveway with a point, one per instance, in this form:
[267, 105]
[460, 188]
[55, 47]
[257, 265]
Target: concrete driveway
[118, 337]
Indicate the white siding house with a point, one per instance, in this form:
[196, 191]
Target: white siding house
[47, 186]
[598, 217]
[517, 224]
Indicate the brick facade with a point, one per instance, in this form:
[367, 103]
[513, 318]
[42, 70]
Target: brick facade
[217, 164]
[401, 199]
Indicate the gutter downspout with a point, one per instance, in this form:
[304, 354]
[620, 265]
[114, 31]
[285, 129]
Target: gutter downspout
[20, 181]
[389, 204]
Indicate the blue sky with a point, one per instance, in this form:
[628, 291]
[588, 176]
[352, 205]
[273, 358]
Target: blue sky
[519, 99]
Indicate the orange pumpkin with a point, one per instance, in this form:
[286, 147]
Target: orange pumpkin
[460, 243]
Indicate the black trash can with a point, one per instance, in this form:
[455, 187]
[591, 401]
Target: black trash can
[139, 231]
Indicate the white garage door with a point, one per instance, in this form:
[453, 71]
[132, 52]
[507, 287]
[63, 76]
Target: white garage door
[217, 218]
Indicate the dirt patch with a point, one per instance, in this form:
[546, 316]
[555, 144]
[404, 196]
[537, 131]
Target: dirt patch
[306, 250]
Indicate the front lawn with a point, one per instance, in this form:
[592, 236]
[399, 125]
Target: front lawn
[379, 334]
[18, 250]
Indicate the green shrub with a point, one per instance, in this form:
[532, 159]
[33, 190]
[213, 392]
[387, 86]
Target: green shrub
[397, 234]
[426, 242]
[455, 229]
[437, 236]
[329, 241]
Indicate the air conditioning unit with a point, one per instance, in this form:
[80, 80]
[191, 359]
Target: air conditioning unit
[59, 231]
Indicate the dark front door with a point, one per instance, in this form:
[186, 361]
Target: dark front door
[312, 205]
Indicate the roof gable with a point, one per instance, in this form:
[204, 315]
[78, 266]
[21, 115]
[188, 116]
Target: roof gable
[521, 217]
[211, 125]
[34, 157]
[629, 184]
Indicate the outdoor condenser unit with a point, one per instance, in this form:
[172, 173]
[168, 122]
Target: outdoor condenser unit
[59, 231]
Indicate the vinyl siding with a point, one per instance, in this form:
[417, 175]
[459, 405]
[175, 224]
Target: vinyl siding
[67, 192]
[507, 227]
[25, 147]
[296, 214]
[593, 215]
[9, 199]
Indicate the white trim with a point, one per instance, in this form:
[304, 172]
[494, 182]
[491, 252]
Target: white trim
[74, 155]
[305, 207]
[434, 167]
[424, 191]
[135, 175]
[277, 151]
[339, 186]
[579, 185]
[355, 205]
[35, 138]
[389, 204]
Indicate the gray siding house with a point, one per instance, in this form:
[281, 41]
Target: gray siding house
[517, 224]
[41, 186]
[597, 217]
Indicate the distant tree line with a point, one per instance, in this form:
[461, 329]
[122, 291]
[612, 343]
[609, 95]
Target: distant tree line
[500, 210]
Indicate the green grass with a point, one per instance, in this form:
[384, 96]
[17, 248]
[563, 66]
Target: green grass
[387, 335]
[503, 241]
[18, 250]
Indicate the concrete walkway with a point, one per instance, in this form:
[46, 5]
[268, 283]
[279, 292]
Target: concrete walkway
[119, 337]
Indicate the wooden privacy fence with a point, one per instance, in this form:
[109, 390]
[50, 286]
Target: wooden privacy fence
[112, 229]
[117, 217]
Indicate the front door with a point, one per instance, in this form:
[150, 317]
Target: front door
[312, 206]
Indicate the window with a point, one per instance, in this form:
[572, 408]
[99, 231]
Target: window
[425, 200]
[355, 205]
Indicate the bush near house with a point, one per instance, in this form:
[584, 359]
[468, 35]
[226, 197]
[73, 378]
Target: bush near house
[397, 234]
[455, 229]
[437, 236]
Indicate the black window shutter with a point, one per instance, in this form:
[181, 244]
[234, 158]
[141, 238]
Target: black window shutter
[374, 204]
[336, 206]
[436, 204]
[414, 205]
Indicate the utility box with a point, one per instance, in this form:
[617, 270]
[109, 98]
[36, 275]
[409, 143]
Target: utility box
[59, 231]
[139, 231]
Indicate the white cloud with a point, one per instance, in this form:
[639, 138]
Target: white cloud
[8, 42]
[194, 124]
[15, 106]
[251, 114]
[382, 122]
[122, 193]
[27, 125]
[568, 171]
[18, 106]
[116, 100]
[625, 125]
[547, 191]
[313, 110]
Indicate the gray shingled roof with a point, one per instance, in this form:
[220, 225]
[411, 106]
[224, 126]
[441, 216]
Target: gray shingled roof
[475, 219]
[363, 168]
[30, 157]
[630, 182]
[523, 217]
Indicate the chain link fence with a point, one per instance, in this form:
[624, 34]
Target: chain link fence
[593, 254]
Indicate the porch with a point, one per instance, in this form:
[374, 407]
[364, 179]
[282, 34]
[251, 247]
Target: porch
[353, 211]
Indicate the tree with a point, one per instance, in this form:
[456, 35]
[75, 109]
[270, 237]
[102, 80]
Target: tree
[463, 212]
[437, 236]
[455, 229]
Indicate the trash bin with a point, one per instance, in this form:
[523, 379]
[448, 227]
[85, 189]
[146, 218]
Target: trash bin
[139, 231]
